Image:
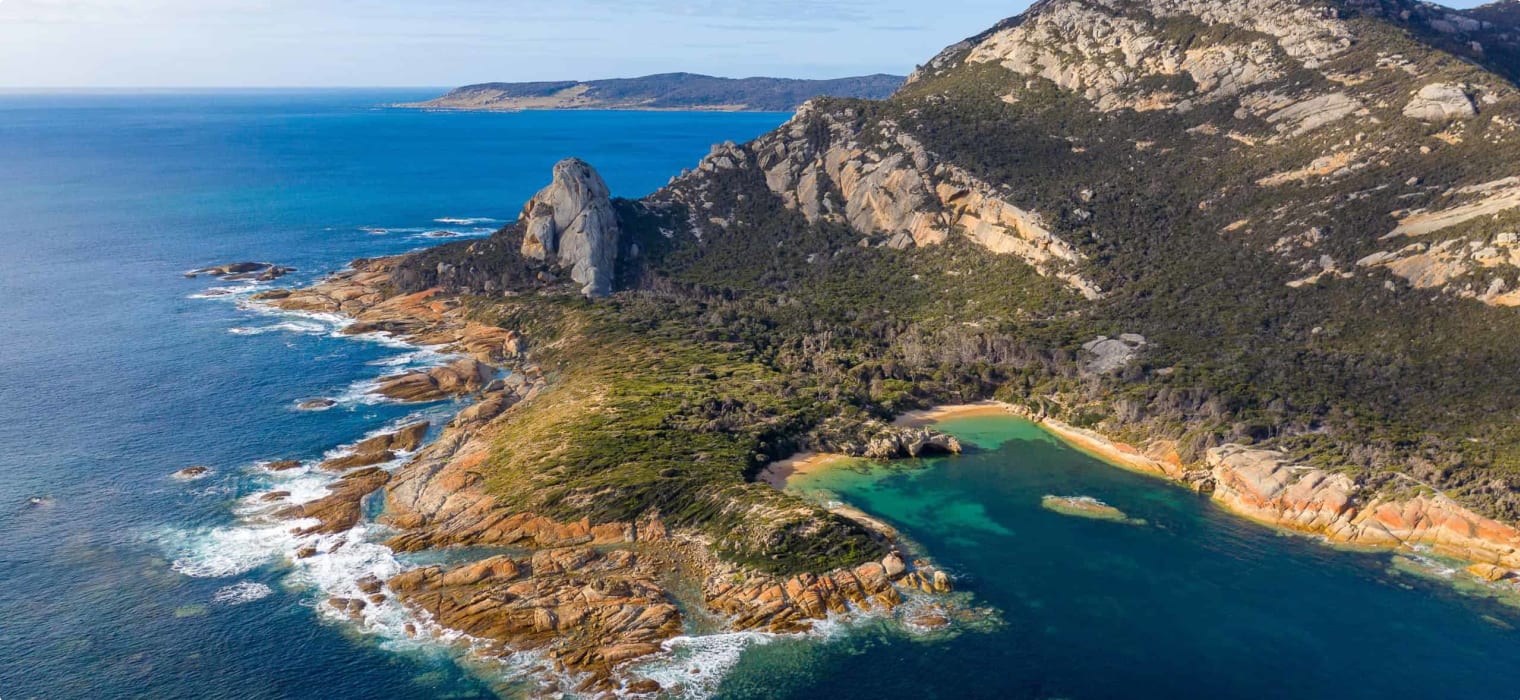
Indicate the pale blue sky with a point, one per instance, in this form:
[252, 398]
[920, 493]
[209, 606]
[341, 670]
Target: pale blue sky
[222, 43]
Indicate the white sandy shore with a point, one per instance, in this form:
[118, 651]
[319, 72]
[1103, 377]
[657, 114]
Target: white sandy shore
[777, 473]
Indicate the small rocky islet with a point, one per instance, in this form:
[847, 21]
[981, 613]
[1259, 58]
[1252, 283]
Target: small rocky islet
[243, 272]
[1087, 507]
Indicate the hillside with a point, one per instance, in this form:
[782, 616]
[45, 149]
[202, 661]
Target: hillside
[668, 91]
[1273, 245]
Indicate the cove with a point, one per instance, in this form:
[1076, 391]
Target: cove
[1194, 602]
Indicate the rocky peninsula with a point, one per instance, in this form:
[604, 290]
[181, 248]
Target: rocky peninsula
[591, 597]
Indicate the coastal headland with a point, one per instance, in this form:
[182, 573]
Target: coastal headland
[590, 597]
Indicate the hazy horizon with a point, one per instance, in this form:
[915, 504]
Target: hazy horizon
[258, 44]
[182, 44]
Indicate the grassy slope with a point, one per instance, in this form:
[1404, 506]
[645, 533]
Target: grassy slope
[1346, 372]
[777, 334]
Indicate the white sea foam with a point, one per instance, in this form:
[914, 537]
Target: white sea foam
[232, 551]
[447, 234]
[394, 361]
[362, 393]
[242, 592]
[698, 664]
[336, 572]
[237, 292]
[304, 486]
[467, 221]
[385, 230]
[378, 338]
[301, 327]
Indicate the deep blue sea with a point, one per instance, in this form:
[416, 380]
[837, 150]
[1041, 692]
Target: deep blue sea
[112, 376]
[116, 371]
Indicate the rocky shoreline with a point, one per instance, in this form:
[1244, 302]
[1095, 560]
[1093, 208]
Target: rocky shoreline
[590, 600]
[587, 599]
[1267, 487]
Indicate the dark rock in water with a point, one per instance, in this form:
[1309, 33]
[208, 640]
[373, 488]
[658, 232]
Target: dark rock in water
[192, 473]
[358, 459]
[282, 465]
[233, 272]
[273, 295]
[341, 509]
[273, 273]
[644, 687]
[273, 496]
[317, 405]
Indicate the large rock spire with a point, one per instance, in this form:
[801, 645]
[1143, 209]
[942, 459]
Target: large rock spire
[572, 221]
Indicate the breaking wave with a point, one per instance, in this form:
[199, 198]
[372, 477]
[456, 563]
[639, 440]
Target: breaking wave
[239, 593]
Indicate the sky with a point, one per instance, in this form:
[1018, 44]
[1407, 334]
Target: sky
[361, 43]
[438, 43]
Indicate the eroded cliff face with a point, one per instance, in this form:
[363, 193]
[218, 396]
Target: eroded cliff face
[572, 221]
[1268, 486]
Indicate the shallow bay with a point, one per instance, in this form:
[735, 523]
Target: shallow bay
[1193, 603]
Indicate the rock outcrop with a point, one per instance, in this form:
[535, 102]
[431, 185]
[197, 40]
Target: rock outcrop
[379, 449]
[463, 376]
[1115, 58]
[1266, 486]
[586, 610]
[342, 507]
[243, 272]
[572, 221]
[1108, 355]
[1440, 102]
[895, 443]
[885, 185]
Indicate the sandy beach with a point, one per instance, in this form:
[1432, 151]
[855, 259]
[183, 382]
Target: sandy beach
[776, 473]
[930, 416]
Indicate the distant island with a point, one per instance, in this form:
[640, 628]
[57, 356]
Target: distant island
[667, 91]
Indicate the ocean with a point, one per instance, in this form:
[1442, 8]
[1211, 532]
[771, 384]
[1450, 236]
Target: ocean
[116, 371]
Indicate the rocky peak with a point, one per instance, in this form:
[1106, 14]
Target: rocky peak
[572, 221]
[829, 164]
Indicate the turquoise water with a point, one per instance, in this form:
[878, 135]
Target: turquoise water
[127, 584]
[1195, 603]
